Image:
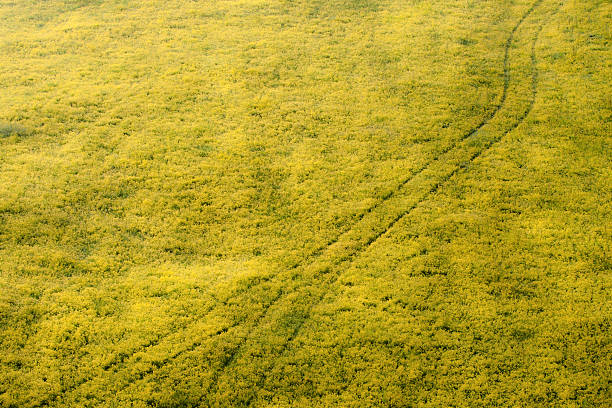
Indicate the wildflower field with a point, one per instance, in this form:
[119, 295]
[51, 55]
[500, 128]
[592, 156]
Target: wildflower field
[342, 203]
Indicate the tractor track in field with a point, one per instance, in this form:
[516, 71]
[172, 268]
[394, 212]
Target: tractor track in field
[227, 361]
[321, 250]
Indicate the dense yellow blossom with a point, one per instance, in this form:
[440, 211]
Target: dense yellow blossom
[305, 203]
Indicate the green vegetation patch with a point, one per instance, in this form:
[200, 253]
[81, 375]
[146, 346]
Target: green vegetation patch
[12, 129]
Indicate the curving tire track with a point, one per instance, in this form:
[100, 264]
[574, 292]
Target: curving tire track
[231, 357]
[227, 361]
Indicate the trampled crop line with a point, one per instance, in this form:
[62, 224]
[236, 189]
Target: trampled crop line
[320, 250]
[348, 258]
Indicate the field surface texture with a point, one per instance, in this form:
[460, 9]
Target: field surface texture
[345, 203]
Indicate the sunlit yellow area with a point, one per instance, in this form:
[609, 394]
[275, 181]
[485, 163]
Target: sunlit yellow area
[342, 203]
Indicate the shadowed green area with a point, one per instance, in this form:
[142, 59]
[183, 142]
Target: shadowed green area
[291, 203]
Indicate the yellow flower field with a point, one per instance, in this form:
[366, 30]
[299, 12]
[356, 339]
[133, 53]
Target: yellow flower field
[347, 203]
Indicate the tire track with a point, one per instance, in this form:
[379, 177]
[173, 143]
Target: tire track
[121, 359]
